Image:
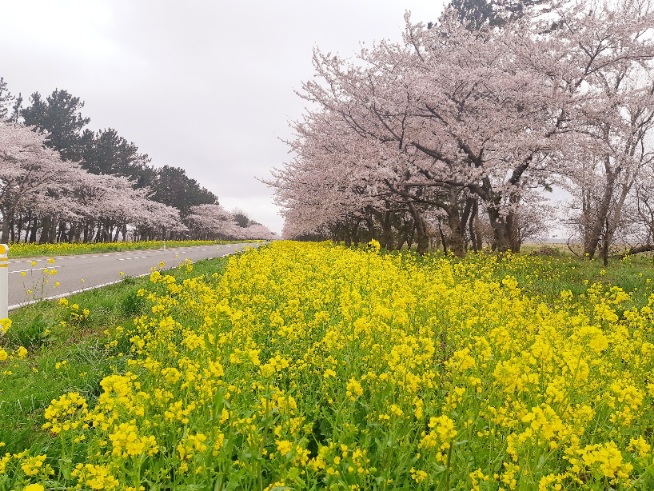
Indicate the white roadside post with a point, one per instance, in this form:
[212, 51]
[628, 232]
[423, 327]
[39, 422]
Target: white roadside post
[4, 281]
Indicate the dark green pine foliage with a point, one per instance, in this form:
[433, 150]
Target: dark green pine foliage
[59, 115]
[106, 152]
[5, 100]
[16, 108]
[241, 219]
[494, 13]
[173, 187]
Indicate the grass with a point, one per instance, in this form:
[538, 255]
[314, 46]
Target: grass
[634, 274]
[563, 271]
[52, 333]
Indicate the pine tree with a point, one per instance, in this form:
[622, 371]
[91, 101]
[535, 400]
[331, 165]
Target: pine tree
[106, 152]
[60, 116]
[5, 100]
[241, 219]
[16, 109]
[495, 13]
[173, 187]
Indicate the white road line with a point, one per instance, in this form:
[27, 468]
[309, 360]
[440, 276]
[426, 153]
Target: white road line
[35, 269]
[62, 295]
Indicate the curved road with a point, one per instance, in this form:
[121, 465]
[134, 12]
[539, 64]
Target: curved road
[87, 271]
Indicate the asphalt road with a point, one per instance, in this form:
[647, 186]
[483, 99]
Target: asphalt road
[87, 271]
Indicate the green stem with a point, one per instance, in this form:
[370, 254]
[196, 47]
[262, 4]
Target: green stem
[447, 466]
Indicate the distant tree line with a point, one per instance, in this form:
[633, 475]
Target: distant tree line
[61, 181]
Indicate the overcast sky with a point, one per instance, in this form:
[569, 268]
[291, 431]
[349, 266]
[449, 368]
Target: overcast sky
[203, 85]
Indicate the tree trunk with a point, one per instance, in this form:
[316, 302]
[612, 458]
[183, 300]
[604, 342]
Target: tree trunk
[52, 232]
[598, 223]
[471, 226]
[502, 240]
[387, 231]
[12, 231]
[345, 233]
[5, 226]
[355, 234]
[479, 236]
[637, 250]
[443, 238]
[422, 239]
[457, 241]
[45, 230]
[34, 228]
[513, 232]
[21, 220]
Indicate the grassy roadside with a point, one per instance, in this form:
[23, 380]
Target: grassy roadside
[545, 276]
[69, 249]
[634, 274]
[66, 351]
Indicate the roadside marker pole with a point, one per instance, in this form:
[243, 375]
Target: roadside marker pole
[4, 281]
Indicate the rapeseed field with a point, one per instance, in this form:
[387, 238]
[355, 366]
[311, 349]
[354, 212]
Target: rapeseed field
[313, 366]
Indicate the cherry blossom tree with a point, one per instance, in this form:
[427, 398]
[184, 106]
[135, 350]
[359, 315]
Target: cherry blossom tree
[214, 222]
[257, 231]
[323, 184]
[211, 222]
[460, 120]
[55, 200]
[638, 218]
[621, 121]
[5, 100]
[157, 221]
[30, 173]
